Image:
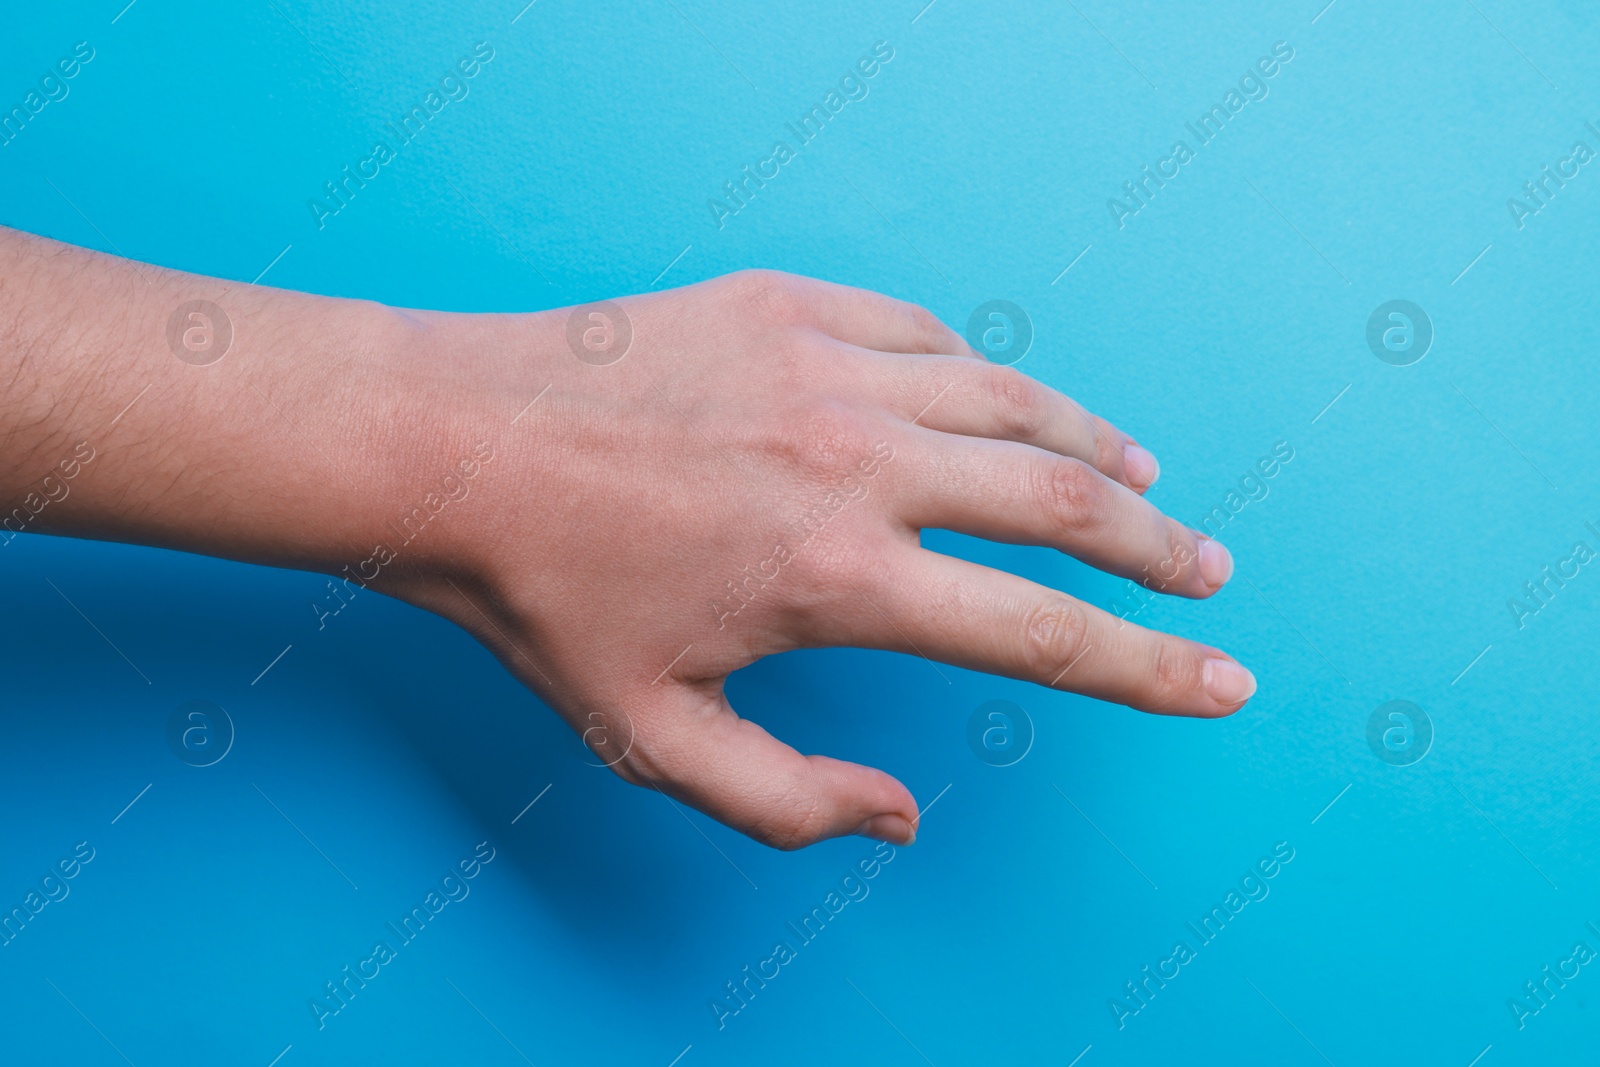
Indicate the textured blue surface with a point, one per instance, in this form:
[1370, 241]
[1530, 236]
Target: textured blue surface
[1219, 320]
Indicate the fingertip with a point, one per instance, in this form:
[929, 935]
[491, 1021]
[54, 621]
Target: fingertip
[889, 827]
[1141, 467]
[1216, 563]
[1228, 683]
[865, 801]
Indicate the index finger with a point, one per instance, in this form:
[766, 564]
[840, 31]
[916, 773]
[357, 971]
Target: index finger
[858, 316]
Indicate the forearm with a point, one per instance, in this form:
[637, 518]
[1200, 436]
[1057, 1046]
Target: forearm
[131, 415]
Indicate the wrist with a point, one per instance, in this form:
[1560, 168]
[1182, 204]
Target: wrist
[459, 398]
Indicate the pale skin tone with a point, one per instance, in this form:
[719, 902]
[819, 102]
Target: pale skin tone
[752, 476]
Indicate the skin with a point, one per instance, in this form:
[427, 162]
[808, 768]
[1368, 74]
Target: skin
[751, 476]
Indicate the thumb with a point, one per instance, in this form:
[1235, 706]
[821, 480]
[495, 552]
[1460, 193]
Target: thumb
[690, 744]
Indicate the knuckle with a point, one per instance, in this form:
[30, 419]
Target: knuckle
[824, 438]
[1175, 675]
[1107, 451]
[925, 324]
[638, 762]
[832, 576]
[798, 822]
[636, 768]
[1073, 494]
[775, 298]
[1183, 549]
[1019, 402]
[1053, 635]
[787, 356]
[1181, 559]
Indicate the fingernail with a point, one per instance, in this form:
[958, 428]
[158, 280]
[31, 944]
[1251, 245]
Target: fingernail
[1228, 683]
[1216, 562]
[1142, 468]
[891, 828]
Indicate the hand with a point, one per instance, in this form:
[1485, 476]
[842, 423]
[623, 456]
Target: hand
[751, 477]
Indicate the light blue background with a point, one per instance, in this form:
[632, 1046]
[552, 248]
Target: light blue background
[1224, 318]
